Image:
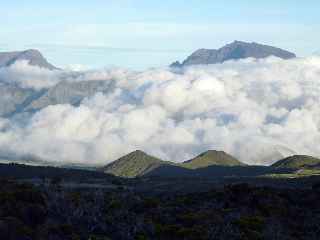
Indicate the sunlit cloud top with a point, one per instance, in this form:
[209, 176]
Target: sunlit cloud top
[257, 110]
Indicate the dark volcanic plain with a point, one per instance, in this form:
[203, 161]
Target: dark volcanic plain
[58, 203]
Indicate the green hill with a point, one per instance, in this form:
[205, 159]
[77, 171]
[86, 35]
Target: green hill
[138, 164]
[134, 164]
[297, 162]
[212, 158]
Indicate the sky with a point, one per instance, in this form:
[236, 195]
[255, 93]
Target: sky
[141, 34]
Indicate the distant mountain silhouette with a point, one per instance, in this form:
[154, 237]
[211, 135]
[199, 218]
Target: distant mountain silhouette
[34, 57]
[233, 51]
[15, 99]
[66, 92]
[297, 162]
[12, 98]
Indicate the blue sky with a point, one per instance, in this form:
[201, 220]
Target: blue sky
[142, 33]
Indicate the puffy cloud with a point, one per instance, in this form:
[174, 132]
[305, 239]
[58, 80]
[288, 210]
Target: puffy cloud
[257, 110]
[28, 76]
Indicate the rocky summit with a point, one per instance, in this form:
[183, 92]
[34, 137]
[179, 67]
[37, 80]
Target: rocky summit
[34, 58]
[233, 51]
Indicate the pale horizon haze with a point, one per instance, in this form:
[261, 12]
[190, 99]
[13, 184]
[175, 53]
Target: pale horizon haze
[143, 34]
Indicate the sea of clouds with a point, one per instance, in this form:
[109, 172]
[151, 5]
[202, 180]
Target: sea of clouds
[256, 110]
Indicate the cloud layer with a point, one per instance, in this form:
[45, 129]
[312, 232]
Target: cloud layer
[257, 110]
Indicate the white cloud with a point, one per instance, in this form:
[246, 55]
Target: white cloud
[29, 76]
[257, 110]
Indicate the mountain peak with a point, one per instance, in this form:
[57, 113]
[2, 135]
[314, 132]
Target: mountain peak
[138, 152]
[240, 42]
[212, 157]
[234, 51]
[32, 51]
[134, 164]
[212, 152]
[33, 56]
[139, 163]
[297, 162]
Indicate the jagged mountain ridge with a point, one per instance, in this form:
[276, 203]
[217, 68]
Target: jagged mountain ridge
[233, 51]
[69, 93]
[15, 99]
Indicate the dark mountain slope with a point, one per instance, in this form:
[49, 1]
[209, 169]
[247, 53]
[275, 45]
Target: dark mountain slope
[214, 172]
[297, 162]
[21, 171]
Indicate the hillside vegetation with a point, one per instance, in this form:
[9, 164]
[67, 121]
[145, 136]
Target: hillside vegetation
[134, 164]
[232, 212]
[297, 162]
[211, 158]
[138, 163]
[210, 164]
